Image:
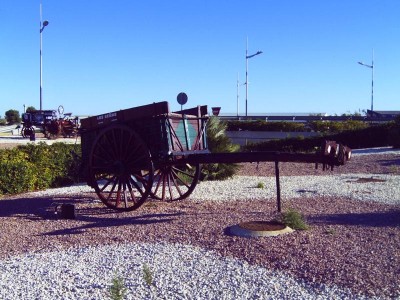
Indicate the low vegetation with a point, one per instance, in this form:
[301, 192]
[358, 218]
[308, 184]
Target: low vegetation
[373, 136]
[218, 142]
[35, 167]
[261, 185]
[294, 220]
[117, 290]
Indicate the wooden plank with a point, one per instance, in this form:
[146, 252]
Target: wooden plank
[198, 111]
[139, 112]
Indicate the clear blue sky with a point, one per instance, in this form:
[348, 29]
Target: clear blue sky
[100, 56]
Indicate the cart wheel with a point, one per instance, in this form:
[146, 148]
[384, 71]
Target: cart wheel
[175, 182]
[52, 130]
[121, 169]
[27, 131]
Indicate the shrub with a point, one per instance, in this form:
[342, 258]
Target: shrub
[16, 176]
[261, 185]
[294, 220]
[34, 167]
[260, 125]
[218, 142]
[117, 290]
[394, 133]
[373, 136]
[147, 275]
[337, 126]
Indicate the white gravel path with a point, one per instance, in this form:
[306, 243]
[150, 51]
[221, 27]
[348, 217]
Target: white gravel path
[178, 272]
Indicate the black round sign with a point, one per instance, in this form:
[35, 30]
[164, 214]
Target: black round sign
[182, 98]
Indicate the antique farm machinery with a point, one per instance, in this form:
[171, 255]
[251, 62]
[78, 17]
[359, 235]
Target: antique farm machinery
[148, 151]
[53, 124]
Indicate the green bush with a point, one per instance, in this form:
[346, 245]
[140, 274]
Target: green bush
[218, 142]
[394, 134]
[337, 126]
[260, 125]
[35, 167]
[373, 136]
[326, 127]
[16, 176]
[294, 220]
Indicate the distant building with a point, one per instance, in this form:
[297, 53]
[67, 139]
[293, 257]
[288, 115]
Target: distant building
[382, 114]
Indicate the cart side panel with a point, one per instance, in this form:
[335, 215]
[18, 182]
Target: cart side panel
[125, 115]
[87, 140]
[187, 133]
[198, 111]
[153, 132]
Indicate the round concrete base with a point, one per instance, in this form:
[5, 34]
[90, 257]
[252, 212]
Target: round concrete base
[259, 229]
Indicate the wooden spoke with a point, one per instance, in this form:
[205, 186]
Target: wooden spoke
[175, 182]
[121, 168]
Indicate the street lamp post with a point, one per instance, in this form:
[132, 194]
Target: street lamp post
[371, 66]
[247, 67]
[43, 24]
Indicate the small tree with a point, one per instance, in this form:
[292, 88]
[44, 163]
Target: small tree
[13, 117]
[3, 121]
[31, 109]
[218, 142]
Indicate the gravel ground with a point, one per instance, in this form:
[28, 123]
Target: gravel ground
[350, 252]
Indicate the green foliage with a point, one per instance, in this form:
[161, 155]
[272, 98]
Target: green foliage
[337, 126]
[13, 117]
[3, 122]
[260, 125]
[296, 144]
[16, 176]
[30, 109]
[318, 126]
[218, 142]
[147, 275]
[394, 134]
[373, 136]
[294, 220]
[261, 185]
[35, 167]
[117, 290]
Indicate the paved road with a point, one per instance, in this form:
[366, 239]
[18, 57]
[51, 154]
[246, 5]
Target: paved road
[4, 129]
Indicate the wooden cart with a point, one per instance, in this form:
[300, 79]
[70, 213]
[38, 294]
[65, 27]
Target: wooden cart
[132, 154]
[148, 151]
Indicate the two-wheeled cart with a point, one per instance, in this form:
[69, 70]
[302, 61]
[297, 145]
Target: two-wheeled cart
[148, 151]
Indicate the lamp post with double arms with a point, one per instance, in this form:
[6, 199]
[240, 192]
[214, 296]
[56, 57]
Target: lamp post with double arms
[247, 68]
[43, 24]
[371, 66]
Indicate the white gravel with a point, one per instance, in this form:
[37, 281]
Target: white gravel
[245, 187]
[177, 272]
[385, 189]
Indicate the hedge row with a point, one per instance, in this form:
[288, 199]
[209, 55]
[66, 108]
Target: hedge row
[319, 126]
[35, 167]
[374, 136]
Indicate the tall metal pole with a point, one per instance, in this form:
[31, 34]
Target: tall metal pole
[372, 83]
[43, 24]
[237, 95]
[247, 67]
[41, 29]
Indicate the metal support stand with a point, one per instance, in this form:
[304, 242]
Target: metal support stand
[278, 186]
